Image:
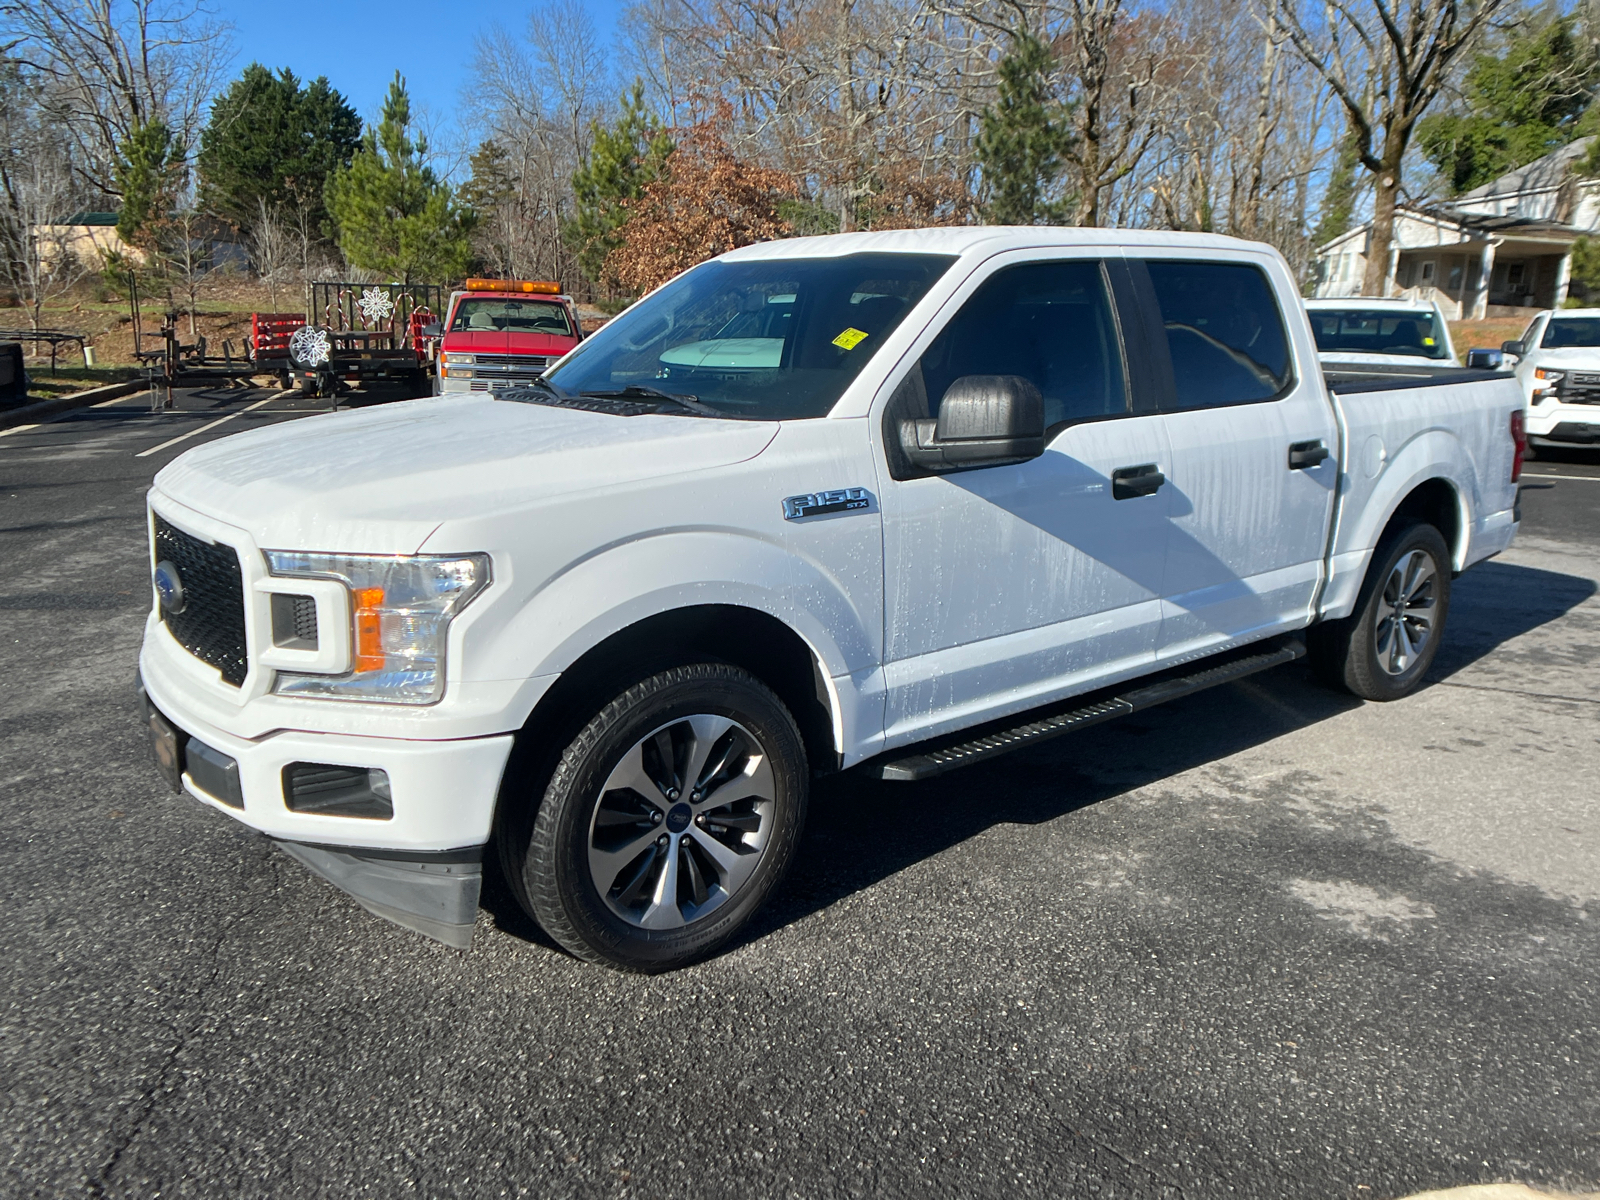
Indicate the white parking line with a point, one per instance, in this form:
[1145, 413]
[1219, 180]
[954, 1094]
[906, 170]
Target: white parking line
[17, 429]
[183, 437]
[1583, 478]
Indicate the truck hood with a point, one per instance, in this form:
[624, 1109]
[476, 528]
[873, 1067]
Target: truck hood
[1577, 357]
[380, 480]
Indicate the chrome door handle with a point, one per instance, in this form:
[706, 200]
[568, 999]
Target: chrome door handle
[1305, 455]
[1143, 480]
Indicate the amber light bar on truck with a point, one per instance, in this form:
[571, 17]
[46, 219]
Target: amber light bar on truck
[542, 287]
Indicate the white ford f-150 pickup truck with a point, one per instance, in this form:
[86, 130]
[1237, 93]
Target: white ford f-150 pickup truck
[891, 502]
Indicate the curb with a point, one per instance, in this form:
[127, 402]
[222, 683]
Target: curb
[32, 413]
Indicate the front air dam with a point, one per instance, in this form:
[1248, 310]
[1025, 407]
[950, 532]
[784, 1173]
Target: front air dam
[434, 893]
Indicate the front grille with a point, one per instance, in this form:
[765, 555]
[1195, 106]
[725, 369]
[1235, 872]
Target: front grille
[211, 625]
[1579, 387]
[537, 361]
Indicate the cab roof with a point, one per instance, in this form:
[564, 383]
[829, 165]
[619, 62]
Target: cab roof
[989, 239]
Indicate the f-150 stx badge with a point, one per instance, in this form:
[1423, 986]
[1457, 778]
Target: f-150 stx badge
[820, 504]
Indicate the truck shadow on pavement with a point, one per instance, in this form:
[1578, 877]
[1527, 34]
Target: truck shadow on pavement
[861, 831]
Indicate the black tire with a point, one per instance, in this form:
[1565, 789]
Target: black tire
[639, 844]
[1365, 653]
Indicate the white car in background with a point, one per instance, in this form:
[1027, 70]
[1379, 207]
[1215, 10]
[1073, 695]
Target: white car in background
[1368, 336]
[1558, 366]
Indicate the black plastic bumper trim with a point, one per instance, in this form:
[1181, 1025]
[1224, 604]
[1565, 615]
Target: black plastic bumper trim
[436, 898]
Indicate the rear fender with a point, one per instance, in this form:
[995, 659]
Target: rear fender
[1378, 481]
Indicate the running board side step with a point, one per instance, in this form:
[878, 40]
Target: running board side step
[926, 764]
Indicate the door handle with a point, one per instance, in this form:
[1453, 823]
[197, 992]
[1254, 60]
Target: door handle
[1305, 455]
[1143, 480]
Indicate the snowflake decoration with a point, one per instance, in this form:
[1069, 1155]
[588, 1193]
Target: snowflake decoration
[376, 305]
[310, 346]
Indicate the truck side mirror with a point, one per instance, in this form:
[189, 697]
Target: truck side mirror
[433, 330]
[1483, 359]
[1517, 349]
[984, 421]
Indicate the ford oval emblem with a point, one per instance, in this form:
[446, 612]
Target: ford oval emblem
[169, 587]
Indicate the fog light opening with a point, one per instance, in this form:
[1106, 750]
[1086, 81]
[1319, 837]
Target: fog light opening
[334, 791]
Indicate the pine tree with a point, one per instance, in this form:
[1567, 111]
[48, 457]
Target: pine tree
[394, 214]
[1023, 137]
[624, 159]
[271, 144]
[490, 195]
[150, 172]
[1339, 198]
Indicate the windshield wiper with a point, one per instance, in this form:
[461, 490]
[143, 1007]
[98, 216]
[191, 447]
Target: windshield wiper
[541, 391]
[687, 403]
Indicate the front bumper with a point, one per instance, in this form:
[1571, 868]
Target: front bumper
[1578, 423]
[421, 867]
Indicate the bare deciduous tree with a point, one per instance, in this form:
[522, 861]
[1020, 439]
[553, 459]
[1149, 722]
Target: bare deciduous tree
[271, 248]
[1114, 66]
[40, 196]
[1386, 61]
[114, 65]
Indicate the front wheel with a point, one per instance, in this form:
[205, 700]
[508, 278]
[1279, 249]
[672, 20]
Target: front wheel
[668, 821]
[1383, 649]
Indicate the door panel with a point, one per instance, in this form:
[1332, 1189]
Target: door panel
[1009, 586]
[1248, 533]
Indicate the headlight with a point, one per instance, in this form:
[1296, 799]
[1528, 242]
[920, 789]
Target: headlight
[459, 358]
[400, 609]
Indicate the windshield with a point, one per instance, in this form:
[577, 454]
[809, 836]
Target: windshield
[1571, 331]
[1379, 331]
[773, 339]
[475, 315]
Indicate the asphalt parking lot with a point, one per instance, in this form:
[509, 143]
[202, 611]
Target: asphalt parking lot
[1266, 942]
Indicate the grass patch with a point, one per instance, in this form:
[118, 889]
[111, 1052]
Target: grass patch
[43, 384]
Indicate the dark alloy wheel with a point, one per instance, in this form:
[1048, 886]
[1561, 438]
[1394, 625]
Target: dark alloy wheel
[668, 820]
[1383, 649]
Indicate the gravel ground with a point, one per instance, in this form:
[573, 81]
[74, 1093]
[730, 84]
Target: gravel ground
[1265, 942]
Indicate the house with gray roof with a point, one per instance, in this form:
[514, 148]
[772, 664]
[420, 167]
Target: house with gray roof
[1503, 249]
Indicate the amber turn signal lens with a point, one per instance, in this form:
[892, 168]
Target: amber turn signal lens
[369, 629]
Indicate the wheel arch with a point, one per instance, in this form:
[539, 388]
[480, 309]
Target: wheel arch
[741, 636]
[1429, 496]
[1439, 503]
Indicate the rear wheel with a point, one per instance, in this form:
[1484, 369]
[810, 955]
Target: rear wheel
[668, 820]
[1383, 649]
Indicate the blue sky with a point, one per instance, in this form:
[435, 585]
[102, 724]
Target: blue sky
[359, 44]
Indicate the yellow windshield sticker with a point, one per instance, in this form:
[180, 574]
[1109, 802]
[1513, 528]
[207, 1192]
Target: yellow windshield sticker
[1427, 341]
[849, 339]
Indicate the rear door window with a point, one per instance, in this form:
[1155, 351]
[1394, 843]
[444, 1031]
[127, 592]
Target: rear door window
[1224, 332]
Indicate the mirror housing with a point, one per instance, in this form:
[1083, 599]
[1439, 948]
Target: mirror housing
[984, 421]
[1516, 349]
[1481, 358]
[433, 330]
